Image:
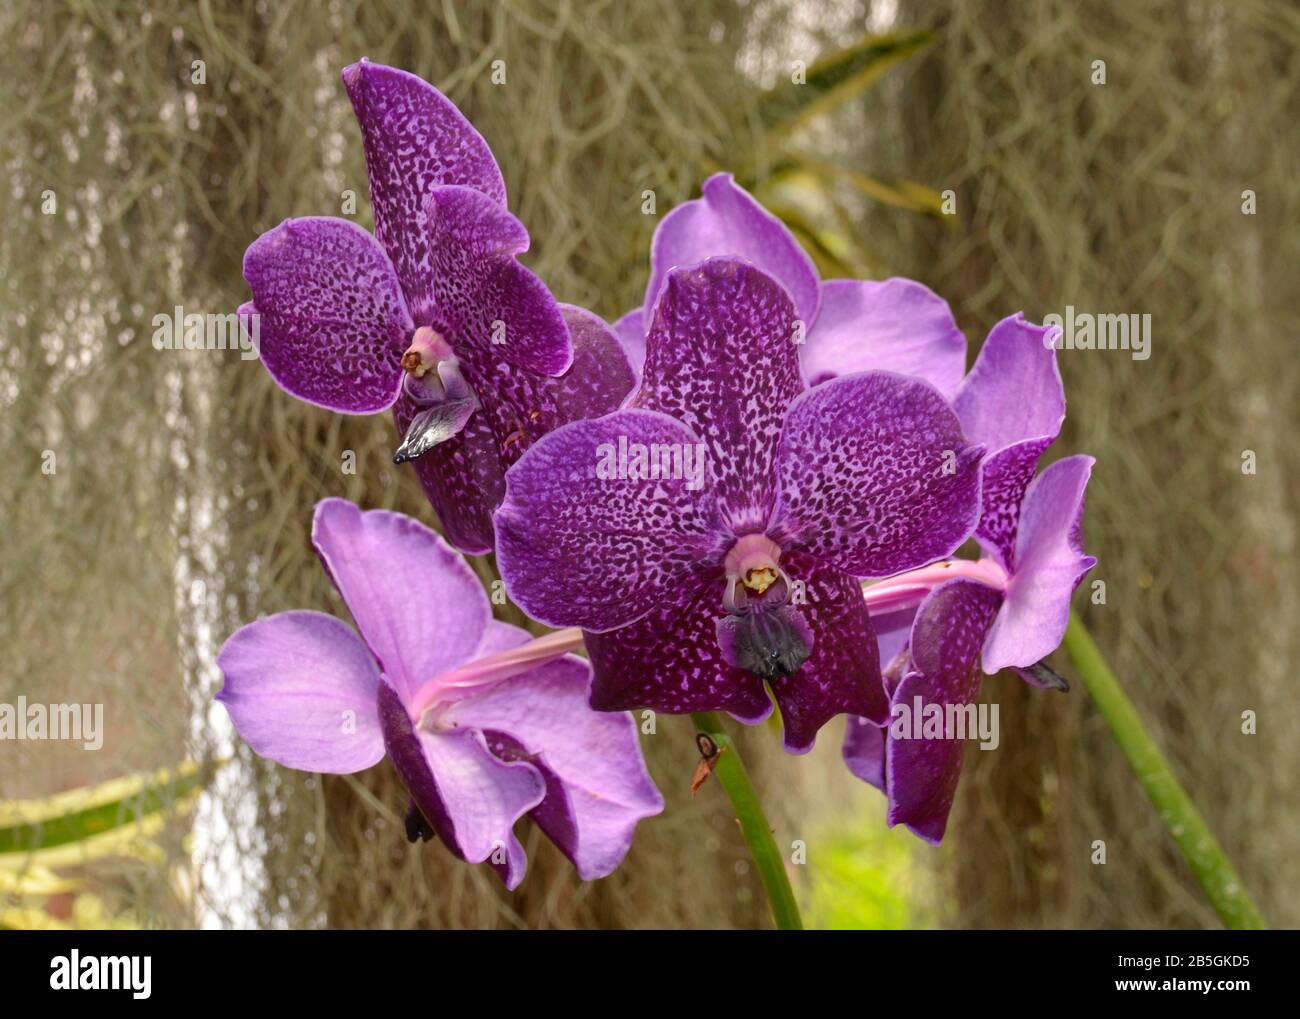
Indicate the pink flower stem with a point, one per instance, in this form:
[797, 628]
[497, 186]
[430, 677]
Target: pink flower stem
[908, 589]
[496, 667]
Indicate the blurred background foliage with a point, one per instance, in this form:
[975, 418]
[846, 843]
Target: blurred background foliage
[179, 504]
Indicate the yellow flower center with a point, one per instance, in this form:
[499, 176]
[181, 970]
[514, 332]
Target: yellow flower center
[760, 579]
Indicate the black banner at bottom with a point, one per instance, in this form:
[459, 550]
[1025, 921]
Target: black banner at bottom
[337, 968]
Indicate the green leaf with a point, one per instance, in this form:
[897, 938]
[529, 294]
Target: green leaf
[104, 818]
[32, 880]
[809, 207]
[899, 192]
[1211, 866]
[839, 77]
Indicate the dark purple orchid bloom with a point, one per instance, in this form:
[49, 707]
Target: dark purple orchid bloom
[1010, 609]
[708, 535]
[478, 741]
[433, 316]
[847, 325]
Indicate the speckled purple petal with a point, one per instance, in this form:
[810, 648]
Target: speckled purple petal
[1005, 476]
[300, 688]
[599, 380]
[469, 796]
[578, 549]
[895, 325]
[419, 607]
[473, 289]
[842, 675]
[876, 477]
[1050, 562]
[721, 358]
[415, 139]
[922, 774]
[670, 661]
[1013, 403]
[527, 405]
[597, 784]
[463, 478]
[332, 321]
[726, 221]
[630, 330]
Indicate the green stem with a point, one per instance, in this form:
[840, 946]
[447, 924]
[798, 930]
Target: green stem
[1199, 847]
[734, 779]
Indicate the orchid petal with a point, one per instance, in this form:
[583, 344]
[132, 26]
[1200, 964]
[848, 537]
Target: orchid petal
[876, 476]
[1050, 562]
[599, 380]
[597, 784]
[331, 319]
[472, 288]
[1005, 475]
[463, 478]
[727, 221]
[895, 325]
[1013, 403]
[721, 358]
[893, 630]
[865, 741]
[670, 660]
[842, 675]
[415, 139]
[630, 330]
[922, 774]
[864, 751]
[1013, 391]
[580, 542]
[528, 405]
[300, 688]
[419, 607]
[470, 797]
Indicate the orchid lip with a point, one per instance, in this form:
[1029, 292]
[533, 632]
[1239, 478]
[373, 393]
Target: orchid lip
[769, 641]
[446, 403]
[760, 632]
[432, 426]
[1043, 677]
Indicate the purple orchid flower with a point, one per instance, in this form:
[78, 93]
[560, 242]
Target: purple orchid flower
[478, 741]
[708, 535]
[1008, 610]
[434, 316]
[847, 325]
